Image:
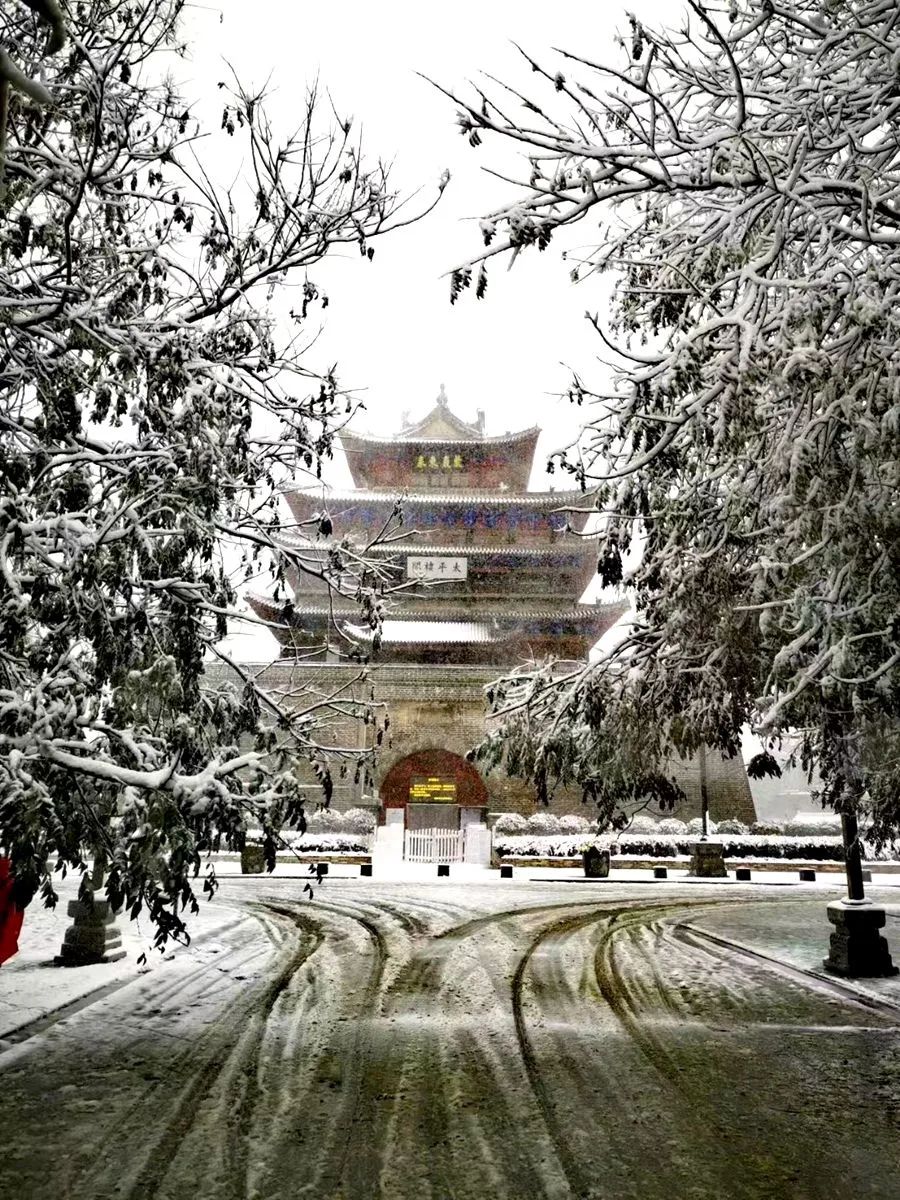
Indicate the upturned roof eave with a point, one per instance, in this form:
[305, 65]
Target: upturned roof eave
[585, 544]
[466, 612]
[406, 438]
[422, 499]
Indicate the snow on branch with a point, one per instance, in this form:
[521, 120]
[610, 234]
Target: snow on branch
[154, 404]
[740, 176]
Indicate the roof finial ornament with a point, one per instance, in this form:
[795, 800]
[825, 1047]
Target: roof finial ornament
[442, 398]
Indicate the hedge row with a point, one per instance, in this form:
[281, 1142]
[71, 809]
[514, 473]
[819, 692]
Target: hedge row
[320, 843]
[545, 824]
[821, 849]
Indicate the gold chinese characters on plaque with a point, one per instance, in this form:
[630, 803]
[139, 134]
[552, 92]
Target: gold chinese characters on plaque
[440, 566]
[432, 789]
[440, 462]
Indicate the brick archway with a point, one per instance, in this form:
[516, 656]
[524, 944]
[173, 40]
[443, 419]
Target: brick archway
[470, 789]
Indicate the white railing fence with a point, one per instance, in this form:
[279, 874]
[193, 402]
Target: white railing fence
[434, 845]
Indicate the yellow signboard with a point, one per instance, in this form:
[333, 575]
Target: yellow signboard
[432, 789]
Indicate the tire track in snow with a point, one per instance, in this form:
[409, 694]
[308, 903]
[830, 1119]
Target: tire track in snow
[577, 1172]
[753, 983]
[366, 1068]
[815, 980]
[239, 1069]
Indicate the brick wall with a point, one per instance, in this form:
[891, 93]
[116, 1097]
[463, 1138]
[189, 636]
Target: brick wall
[443, 708]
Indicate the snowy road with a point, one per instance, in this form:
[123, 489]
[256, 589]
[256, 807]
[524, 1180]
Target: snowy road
[470, 1041]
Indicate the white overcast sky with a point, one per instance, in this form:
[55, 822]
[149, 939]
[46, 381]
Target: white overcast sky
[390, 326]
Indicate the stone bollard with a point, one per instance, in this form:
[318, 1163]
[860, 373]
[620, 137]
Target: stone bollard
[858, 951]
[506, 872]
[660, 872]
[92, 937]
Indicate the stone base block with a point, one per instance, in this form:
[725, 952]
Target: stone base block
[707, 861]
[857, 949]
[96, 912]
[92, 937]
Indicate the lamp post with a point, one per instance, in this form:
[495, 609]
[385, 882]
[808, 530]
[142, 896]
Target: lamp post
[852, 857]
[707, 861]
[704, 794]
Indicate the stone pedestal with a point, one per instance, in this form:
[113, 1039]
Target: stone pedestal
[858, 951]
[92, 937]
[253, 860]
[596, 862]
[707, 861]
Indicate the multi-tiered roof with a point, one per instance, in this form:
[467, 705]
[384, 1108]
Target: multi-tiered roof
[497, 570]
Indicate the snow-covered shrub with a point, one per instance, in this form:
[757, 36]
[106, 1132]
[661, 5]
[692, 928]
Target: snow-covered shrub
[510, 823]
[813, 825]
[542, 823]
[327, 843]
[358, 820]
[536, 846]
[325, 820]
[671, 825]
[730, 825]
[695, 826]
[292, 840]
[572, 823]
[770, 828]
[641, 823]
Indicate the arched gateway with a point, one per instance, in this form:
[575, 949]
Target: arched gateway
[441, 803]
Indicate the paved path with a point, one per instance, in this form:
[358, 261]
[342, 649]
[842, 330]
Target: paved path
[471, 1041]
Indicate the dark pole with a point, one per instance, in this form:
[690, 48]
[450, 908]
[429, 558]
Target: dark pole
[704, 793]
[98, 874]
[852, 856]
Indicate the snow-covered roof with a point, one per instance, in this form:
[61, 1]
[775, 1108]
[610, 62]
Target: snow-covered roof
[516, 612]
[457, 499]
[440, 422]
[409, 436]
[437, 632]
[403, 547]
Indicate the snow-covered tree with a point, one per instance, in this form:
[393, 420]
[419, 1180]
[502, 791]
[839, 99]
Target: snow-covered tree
[149, 410]
[739, 178]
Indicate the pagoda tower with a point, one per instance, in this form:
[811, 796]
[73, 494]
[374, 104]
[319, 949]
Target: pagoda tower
[493, 576]
[494, 572]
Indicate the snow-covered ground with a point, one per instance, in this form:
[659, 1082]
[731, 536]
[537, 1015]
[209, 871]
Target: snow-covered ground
[543, 1037]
